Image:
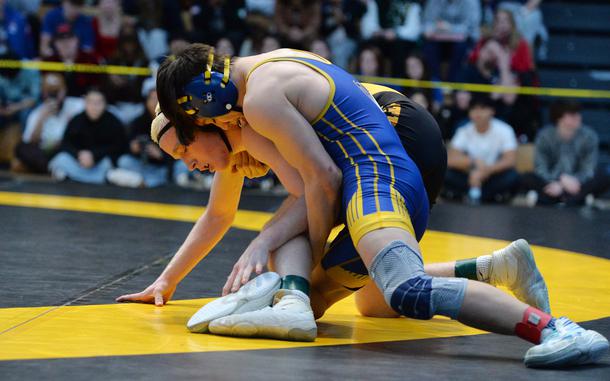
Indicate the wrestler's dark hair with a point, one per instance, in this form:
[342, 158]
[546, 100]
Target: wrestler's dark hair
[174, 73]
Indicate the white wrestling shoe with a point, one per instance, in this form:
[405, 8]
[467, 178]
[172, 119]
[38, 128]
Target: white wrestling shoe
[515, 268]
[254, 295]
[290, 318]
[567, 344]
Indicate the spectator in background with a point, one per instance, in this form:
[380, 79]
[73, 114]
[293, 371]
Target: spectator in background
[298, 22]
[370, 62]
[46, 124]
[320, 47]
[453, 113]
[15, 33]
[224, 46]
[70, 12]
[92, 141]
[270, 43]
[19, 92]
[145, 164]
[107, 26]
[565, 160]
[341, 28]
[394, 26]
[415, 69]
[482, 156]
[504, 58]
[66, 45]
[450, 26]
[121, 90]
[529, 20]
[217, 19]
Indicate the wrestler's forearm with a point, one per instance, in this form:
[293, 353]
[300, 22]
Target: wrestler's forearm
[289, 222]
[322, 205]
[204, 236]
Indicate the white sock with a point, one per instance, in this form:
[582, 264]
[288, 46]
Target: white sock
[483, 267]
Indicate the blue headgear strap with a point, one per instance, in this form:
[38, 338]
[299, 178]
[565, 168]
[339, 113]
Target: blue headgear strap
[211, 93]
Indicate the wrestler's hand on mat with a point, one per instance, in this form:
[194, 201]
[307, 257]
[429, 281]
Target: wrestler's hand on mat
[159, 293]
[253, 259]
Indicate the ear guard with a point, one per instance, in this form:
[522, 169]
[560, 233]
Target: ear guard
[211, 93]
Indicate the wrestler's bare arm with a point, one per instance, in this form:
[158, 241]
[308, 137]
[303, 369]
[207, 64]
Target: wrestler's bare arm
[270, 113]
[205, 234]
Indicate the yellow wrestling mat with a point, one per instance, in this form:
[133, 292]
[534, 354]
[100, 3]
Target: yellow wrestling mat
[577, 284]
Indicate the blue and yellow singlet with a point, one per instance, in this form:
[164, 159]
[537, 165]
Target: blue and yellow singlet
[382, 186]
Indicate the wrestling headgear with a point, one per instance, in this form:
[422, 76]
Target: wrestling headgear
[211, 93]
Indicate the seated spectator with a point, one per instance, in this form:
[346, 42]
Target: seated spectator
[46, 125]
[565, 160]
[415, 69]
[122, 91]
[65, 43]
[450, 26]
[217, 19]
[453, 113]
[297, 22]
[503, 57]
[341, 28]
[70, 12]
[528, 18]
[19, 92]
[107, 26]
[370, 62]
[394, 26]
[482, 156]
[270, 43]
[16, 36]
[93, 140]
[145, 164]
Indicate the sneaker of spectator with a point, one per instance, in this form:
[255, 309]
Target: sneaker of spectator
[46, 124]
[67, 50]
[566, 159]
[69, 12]
[482, 156]
[125, 178]
[92, 141]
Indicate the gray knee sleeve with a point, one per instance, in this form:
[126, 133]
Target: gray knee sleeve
[398, 271]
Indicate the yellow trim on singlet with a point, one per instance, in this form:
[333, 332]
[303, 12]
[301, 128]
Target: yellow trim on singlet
[373, 88]
[331, 95]
[379, 220]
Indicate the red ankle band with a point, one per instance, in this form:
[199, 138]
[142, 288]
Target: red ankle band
[530, 328]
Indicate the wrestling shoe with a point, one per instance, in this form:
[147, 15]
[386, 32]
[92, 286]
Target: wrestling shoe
[254, 295]
[566, 344]
[290, 318]
[514, 267]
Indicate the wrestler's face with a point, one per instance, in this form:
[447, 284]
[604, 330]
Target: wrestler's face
[207, 151]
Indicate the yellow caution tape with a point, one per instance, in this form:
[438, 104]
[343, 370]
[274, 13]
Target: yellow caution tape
[144, 71]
